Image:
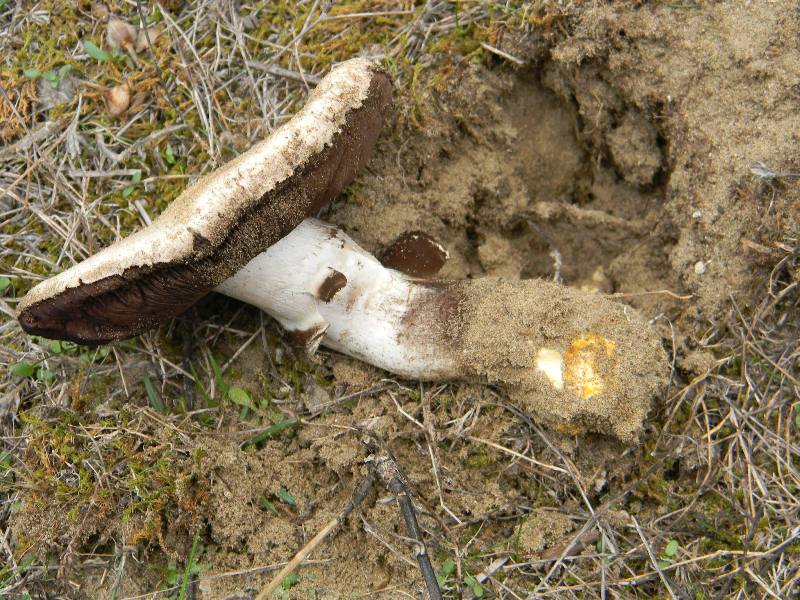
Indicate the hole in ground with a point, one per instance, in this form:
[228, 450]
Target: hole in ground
[521, 183]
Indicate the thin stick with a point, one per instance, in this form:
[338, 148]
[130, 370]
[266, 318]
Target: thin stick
[502, 54]
[394, 479]
[298, 558]
[286, 73]
[358, 498]
[653, 560]
[397, 486]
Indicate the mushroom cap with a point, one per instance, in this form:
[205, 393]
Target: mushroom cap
[222, 221]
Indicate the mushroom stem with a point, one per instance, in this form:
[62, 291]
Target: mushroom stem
[322, 287]
[576, 360]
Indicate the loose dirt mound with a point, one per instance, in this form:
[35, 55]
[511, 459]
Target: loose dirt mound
[622, 161]
[512, 188]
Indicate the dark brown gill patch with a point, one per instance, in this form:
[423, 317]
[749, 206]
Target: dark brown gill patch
[416, 254]
[118, 306]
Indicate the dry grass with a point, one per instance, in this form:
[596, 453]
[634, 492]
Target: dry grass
[99, 457]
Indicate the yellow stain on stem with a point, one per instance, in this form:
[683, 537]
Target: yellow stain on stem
[585, 368]
[588, 365]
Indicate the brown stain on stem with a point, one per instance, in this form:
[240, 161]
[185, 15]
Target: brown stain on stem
[334, 282]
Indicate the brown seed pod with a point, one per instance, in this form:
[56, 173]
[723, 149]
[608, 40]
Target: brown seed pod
[152, 32]
[120, 34]
[118, 99]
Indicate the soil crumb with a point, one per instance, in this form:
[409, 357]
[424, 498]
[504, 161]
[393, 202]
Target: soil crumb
[543, 529]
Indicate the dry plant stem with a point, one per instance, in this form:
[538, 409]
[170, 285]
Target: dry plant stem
[358, 497]
[398, 487]
[393, 478]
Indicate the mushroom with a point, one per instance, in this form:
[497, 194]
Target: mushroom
[574, 359]
[220, 222]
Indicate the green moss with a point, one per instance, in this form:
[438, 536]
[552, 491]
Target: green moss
[147, 473]
[479, 457]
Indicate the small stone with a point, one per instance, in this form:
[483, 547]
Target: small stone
[697, 214]
[698, 362]
[699, 267]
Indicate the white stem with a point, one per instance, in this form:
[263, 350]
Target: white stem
[323, 287]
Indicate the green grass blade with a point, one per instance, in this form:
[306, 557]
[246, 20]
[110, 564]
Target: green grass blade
[223, 387]
[152, 395]
[270, 431]
[189, 567]
[200, 386]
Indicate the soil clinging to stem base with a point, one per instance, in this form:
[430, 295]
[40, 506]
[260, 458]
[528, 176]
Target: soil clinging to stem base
[610, 360]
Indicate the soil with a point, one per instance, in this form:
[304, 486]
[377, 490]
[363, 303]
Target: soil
[620, 162]
[617, 160]
[613, 363]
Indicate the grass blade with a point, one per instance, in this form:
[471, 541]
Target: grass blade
[270, 431]
[223, 387]
[189, 567]
[152, 395]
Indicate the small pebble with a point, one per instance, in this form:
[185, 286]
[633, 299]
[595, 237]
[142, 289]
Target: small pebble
[699, 267]
[697, 214]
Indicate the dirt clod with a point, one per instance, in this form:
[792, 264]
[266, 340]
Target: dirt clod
[634, 150]
[542, 529]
